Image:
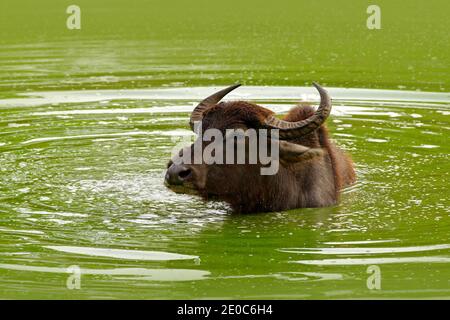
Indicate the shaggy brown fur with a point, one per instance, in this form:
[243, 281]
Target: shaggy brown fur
[308, 182]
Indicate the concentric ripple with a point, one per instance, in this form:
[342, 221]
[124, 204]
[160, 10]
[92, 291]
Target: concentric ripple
[82, 185]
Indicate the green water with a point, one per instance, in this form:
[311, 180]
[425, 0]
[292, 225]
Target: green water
[89, 118]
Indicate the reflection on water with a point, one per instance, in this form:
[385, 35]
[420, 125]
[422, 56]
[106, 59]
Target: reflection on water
[372, 261]
[368, 250]
[130, 273]
[82, 184]
[123, 254]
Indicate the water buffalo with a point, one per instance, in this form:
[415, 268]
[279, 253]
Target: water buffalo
[312, 169]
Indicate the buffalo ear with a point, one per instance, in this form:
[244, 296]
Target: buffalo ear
[292, 152]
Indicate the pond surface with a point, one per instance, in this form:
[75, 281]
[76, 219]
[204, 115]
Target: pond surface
[89, 118]
[82, 185]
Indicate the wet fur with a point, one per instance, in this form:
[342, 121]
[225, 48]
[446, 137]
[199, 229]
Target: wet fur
[314, 182]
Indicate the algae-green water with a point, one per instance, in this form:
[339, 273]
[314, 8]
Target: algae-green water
[89, 118]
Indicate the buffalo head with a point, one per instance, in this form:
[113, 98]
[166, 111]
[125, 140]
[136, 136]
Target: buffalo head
[309, 169]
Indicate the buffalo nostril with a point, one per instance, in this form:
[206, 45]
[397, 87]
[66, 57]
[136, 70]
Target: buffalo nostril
[185, 174]
[177, 174]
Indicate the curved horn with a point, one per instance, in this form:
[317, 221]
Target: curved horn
[197, 113]
[291, 130]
